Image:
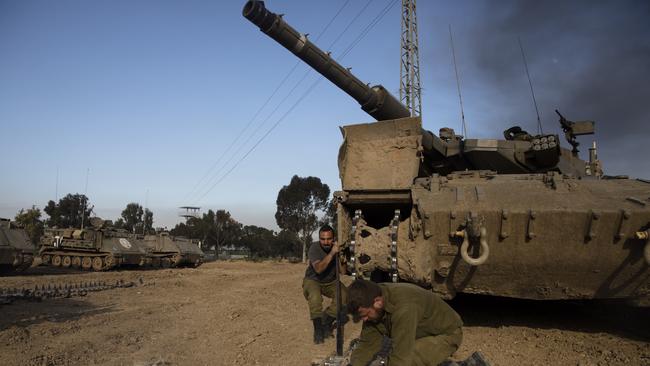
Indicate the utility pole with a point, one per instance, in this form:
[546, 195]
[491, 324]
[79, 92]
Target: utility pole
[409, 88]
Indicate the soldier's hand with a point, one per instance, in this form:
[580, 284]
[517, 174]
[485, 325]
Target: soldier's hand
[335, 247]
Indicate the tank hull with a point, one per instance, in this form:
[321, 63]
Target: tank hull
[91, 249]
[547, 236]
[16, 250]
[168, 251]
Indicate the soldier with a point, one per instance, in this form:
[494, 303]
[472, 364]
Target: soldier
[320, 280]
[424, 330]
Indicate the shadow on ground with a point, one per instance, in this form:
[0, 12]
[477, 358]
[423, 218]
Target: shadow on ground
[22, 313]
[592, 316]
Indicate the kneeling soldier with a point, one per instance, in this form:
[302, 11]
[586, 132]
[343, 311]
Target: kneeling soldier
[424, 330]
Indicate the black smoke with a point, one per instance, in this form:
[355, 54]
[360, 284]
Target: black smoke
[589, 59]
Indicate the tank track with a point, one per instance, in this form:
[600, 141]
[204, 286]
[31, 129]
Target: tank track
[165, 260]
[21, 262]
[169, 260]
[95, 261]
[28, 259]
[9, 295]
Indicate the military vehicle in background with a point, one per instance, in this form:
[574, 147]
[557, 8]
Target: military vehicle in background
[169, 251]
[98, 247]
[517, 217]
[16, 250]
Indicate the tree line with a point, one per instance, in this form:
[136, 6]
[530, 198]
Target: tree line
[302, 206]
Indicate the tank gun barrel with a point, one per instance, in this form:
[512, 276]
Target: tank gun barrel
[375, 100]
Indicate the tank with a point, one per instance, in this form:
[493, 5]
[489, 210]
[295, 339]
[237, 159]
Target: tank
[518, 216]
[169, 251]
[97, 247]
[16, 250]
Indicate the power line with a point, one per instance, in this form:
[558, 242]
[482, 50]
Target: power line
[259, 110]
[305, 94]
[216, 176]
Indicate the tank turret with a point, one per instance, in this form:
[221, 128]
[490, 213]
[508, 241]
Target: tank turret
[518, 153]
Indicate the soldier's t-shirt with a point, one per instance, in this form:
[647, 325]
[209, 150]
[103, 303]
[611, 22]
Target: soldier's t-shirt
[316, 253]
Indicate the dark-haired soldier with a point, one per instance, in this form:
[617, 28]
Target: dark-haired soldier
[424, 330]
[320, 280]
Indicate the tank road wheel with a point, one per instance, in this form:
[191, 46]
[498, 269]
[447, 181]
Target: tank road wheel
[86, 263]
[46, 259]
[56, 261]
[155, 262]
[98, 264]
[165, 263]
[176, 260]
[66, 261]
[27, 262]
[109, 261]
[76, 262]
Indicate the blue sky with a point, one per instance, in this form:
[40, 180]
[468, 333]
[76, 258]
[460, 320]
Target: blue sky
[147, 96]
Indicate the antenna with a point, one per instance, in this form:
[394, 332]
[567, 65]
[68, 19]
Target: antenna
[539, 122]
[56, 189]
[460, 97]
[83, 208]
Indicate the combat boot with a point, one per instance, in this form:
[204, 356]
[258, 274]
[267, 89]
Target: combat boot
[476, 359]
[328, 322]
[318, 331]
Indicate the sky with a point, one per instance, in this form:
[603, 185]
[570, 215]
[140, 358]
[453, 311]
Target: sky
[170, 103]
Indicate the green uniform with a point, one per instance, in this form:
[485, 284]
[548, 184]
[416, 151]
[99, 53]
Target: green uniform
[423, 328]
[316, 285]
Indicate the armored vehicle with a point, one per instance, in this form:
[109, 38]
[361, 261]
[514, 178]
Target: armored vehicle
[16, 250]
[97, 247]
[168, 251]
[517, 217]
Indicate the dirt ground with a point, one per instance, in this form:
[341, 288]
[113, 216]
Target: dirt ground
[245, 313]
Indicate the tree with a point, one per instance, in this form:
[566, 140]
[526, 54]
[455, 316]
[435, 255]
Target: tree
[119, 223]
[297, 206]
[148, 221]
[228, 230]
[204, 228]
[330, 216]
[70, 211]
[288, 244]
[259, 240]
[181, 229]
[30, 219]
[132, 216]
[213, 229]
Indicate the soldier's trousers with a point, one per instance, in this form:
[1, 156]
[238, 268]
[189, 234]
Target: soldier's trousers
[431, 351]
[314, 292]
[428, 351]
